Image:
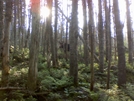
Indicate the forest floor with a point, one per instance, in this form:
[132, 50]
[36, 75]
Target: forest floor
[54, 84]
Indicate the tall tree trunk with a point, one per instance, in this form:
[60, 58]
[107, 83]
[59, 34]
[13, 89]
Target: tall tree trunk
[15, 39]
[5, 52]
[34, 46]
[5, 48]
[101, 37]
[55, 34]
[86, 53]
[73, 36]
[91, 33]
[49, 35]
[108, 34]
[66, 41]
[1, 27]
[120, 46]
[129, 34]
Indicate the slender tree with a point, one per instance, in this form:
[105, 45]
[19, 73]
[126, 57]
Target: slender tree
[1, 26]
[120, 46]
[101, 37]
[55, 34]
[5, 47]
[129, 32]
[49, 36]
[15, 23]
[34, 46]
[108, 38]
[91, 33]
[73, 36]
[5, 51]
[86, 53]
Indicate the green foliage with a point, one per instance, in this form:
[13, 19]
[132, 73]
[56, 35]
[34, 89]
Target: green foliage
[81, 93]
[30, 99]
[18, 77]
[54, 78]
[63, 63]
[25, 52]
[96, 66]
[23, 99]
[54, 97]
[130, 90]
[114, 94]
[129, 66]
[16, 96]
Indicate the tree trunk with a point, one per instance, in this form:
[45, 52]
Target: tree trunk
[5, 52]
[73, 36]
[91, 33]
[120, 46]
[108, 38]
[5, 48]
[15, 13]
[55, 34]
[1, 27]
[49, 36]
[86, 53]
[129, 34]
[101, 37]
[34, 46]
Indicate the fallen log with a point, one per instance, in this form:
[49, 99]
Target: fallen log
[12, 88]
[89, 49]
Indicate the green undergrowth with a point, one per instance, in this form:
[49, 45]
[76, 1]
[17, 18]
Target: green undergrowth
[55, 84]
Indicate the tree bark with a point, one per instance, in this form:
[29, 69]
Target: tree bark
[1, 27]
[34, 46]
[55, 34]
[5, 48]
[86, 53]
[91, 33]
[129, 33]
[120, 46]
[108, 38]
[101, 37]
[73, 36]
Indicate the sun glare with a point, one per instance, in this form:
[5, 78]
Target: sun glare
[44, 12]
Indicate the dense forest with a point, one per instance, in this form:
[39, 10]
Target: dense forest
[66, 50]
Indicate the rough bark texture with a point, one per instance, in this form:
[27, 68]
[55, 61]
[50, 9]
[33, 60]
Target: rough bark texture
[15, 37]
[108, 39]
[101, 37]
[129, 33]
[5, 51]
[91, 33]
[34, 46]
[55, 35]
[1, 26]
[86, 53]
[49, 35]
[5, 47]
[120, 46]
[73, 36]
